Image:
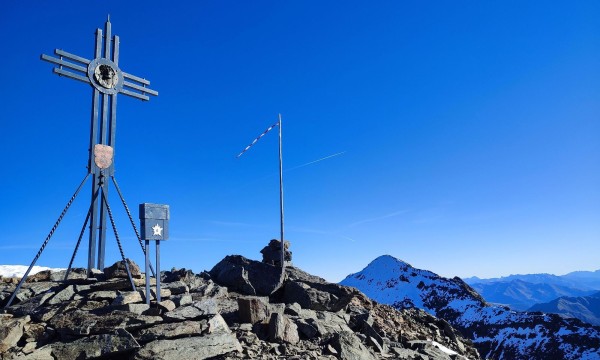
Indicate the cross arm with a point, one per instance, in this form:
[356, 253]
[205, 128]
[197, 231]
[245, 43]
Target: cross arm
[137, 87]
[72, 69]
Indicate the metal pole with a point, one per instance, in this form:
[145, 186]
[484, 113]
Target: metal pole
[148, 272]
[157, 272]
[281, 198]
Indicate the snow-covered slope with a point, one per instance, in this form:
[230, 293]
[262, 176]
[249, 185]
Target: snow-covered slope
[19, 270]
[497, 332]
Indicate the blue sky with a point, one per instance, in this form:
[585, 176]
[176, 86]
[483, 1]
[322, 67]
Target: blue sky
[467, 133]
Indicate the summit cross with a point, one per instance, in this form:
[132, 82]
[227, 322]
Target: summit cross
[107, 81]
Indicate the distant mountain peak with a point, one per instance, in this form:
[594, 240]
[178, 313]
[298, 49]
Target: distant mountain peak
[389, 261]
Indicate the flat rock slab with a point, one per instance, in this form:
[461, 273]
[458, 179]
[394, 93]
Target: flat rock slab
[81, 323]
[104, 345]
[127, 297]
[177, 287]
[64, 295]
[191, 348]
[103, 295]
[198, 309]
[43, 353]
[173, 330]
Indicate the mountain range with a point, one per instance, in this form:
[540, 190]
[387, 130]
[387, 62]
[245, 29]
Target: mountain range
[521, 295]
[572, 295]
[585, 280]
[496, 331]
[586, 308]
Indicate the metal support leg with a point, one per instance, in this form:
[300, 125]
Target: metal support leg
[87, 218]
[157, 271]
[93, 225]
[147, 272]
[112, 222]
[102, 229]
[37, 256]
[137, 234]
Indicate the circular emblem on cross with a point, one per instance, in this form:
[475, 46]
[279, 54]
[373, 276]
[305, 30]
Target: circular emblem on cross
[105, 76]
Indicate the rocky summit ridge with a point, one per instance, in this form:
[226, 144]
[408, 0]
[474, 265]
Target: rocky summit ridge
[496, 331]
[238, 310]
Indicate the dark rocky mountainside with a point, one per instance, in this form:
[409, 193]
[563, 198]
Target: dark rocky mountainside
[238, 310]
[496, 331]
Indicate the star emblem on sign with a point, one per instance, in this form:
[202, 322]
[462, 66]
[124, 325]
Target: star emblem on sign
[157, 230]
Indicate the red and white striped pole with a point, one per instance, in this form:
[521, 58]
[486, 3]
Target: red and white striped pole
[282, 239]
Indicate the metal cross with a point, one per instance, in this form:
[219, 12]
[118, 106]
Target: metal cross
[107, 80]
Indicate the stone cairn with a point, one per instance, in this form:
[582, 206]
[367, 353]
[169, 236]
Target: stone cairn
[226, 313]
[272, 253]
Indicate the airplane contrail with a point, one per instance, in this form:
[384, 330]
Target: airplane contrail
[316, 161]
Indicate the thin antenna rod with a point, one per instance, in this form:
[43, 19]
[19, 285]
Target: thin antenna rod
[281, 199]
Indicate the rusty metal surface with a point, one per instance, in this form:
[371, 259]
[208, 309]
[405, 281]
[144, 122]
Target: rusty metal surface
[103, 156]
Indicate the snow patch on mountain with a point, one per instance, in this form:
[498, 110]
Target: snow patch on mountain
[19, 270]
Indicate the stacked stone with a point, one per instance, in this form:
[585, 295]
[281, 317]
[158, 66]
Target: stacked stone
[272, 253]
[229, 313]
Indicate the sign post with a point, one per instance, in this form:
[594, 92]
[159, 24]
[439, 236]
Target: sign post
[154, 222]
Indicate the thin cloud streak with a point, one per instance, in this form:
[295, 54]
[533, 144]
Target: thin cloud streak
[201, 240]
[234, 224]
[320, 232]
[316, 161]
[386, 216]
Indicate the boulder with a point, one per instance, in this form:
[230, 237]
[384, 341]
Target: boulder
[11, 331]
[349, 347]
[308, 328]
[167, 305]
[182, 300]
[191, 280]
[246, 276]
[282, 329]
[312, 292]
[293, 309]
[253, 309]
[118, 270]
[217, 324]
